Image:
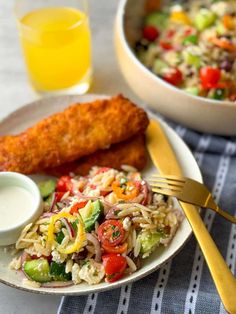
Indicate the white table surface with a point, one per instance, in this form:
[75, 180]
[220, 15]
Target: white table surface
[15, 92]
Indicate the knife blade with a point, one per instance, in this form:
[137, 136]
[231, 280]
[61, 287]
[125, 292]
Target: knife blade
[157, 143]
[163, 157]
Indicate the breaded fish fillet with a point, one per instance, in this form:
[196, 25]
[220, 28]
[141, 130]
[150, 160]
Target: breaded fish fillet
[79, 130]
[130, 152]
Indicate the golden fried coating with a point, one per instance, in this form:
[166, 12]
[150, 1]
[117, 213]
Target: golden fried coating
[130, 152]
[79, 130]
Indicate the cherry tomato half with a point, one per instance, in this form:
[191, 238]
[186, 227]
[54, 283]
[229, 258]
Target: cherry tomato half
[64, 184]
[111, 232]
[114, 265]
[173, 76]
[119, 249]
[209, 77]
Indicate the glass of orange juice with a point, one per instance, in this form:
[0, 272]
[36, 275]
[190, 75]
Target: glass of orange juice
[55, 37]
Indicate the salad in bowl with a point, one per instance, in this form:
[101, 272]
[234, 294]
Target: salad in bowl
[192, 46]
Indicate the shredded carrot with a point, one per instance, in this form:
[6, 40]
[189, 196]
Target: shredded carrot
[223, 43]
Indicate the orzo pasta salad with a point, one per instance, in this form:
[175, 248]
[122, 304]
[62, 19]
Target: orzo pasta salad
[94, 228]
[192, 45]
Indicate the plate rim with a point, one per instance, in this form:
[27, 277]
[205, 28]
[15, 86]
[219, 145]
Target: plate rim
[125, 280]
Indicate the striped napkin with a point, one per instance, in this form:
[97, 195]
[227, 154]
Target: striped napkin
[184, 284]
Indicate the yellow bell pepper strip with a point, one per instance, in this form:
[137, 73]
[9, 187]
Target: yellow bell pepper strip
[125, 193]
[180, 17]
[79, 240]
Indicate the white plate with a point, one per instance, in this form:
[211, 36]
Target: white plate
[33, 112]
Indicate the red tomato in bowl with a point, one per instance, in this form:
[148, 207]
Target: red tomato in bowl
[64, 184]
[173, 76]
[209, 77]
[150, 32]
[114, 265]
[111, 232]
[118, 249]
[166, 45]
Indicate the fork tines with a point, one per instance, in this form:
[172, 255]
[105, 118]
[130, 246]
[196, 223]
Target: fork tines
[166, 181]
[169, 185]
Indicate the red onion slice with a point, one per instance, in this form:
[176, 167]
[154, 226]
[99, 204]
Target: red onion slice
[48, 214]
[84, 197]
[111, 213]
[24, 257]
[53, 202]
[147, 193]
[96, 244]
[107, 205]
[68, 227]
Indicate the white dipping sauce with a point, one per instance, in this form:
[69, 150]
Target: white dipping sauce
[16, 205]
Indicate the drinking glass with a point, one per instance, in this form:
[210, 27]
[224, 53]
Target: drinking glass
[56, 44]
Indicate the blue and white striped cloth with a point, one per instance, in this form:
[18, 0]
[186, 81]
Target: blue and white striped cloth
[184, 284]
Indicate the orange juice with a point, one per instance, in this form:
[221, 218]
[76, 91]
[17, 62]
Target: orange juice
[56, 46]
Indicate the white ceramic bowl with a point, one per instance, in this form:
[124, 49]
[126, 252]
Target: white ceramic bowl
[195, 112]
[9, 235]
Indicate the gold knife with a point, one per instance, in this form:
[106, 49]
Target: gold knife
[164, 159]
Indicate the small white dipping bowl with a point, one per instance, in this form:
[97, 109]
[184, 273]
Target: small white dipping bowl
[199, 113]
[26, 189]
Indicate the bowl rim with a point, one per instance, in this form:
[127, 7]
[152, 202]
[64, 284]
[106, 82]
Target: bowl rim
[120, 23]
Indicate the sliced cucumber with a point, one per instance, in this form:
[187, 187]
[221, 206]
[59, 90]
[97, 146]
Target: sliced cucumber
[194, 90]
[46, 188]
[204, 19]
[158, 66]
[192, 56]
[157, 19]
[38, 270]
[149, 240]
[86, 211]
[59, 237]
[90, 214]
[58, 272]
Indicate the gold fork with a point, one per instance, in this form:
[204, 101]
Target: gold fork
[186, 190]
